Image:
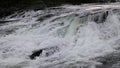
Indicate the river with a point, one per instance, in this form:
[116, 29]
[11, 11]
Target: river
[68, 36]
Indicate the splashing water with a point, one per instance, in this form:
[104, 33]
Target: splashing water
[69, 36]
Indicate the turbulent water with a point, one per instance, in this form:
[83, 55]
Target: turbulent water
[67, 36]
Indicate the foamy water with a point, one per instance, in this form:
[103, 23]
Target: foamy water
[70, 36]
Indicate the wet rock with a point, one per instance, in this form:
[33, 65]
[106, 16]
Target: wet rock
[101, 18]
[35, 54]
[46, 52]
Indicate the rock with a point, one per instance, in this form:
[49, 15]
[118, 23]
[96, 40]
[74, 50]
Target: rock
[35, 54]
[46, 52]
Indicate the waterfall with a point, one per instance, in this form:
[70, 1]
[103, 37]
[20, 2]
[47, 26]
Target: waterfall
[60, 37]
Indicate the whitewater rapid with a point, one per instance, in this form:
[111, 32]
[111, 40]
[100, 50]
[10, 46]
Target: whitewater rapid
[69, 36]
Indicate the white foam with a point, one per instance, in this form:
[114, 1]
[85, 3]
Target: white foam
[70, 41]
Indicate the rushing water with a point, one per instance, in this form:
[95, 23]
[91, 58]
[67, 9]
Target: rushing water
[67, 37]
